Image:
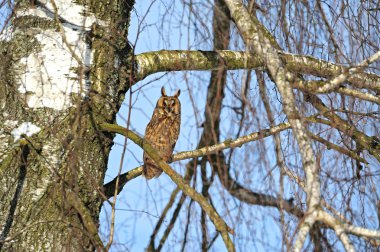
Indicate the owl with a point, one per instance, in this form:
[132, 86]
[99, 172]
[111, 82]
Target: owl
[162, 131]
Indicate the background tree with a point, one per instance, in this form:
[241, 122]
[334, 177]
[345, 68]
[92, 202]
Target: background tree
[304, 111]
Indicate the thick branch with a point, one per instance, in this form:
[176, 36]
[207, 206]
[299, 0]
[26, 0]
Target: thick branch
[109, 188]
[85, 215]
[176, 60]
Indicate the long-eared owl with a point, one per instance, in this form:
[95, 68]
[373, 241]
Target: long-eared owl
[162, 131]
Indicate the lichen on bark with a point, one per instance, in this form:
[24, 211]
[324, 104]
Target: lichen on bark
[57, 201]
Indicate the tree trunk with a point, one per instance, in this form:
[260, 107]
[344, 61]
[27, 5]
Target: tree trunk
[64, 68]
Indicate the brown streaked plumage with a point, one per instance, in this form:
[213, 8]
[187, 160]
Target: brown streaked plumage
[162, 131]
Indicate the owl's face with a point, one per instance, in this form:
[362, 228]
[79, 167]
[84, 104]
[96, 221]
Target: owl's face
[169, 106]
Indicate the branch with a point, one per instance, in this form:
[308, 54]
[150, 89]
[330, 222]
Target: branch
[85, 215]
[109, 188]
[177, 60]
[342, 150]
[246, 195]
[219, 223]
[304, 227]
[175, 215]
[306, 64]
[313, 87]
[336, 81]
[372, 144]
[171, 223]
[162, 217]
[257, 37]
[343, 228]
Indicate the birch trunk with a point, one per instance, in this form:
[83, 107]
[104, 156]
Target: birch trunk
[63, 69]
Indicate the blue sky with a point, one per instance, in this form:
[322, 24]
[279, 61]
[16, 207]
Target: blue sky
[169, 25]
[134, 222]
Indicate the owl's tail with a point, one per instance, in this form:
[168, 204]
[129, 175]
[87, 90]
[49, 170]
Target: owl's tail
[150, 170]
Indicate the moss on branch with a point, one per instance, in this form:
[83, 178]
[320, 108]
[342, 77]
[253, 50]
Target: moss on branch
[177, 60]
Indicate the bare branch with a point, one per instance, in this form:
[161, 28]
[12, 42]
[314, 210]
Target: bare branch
[304, 228]
[342, 228]
[368, 143]
[336, 81]
[82, 210]
[177, 60]
[264, 45]
[219, 223]
[312, 87]
[109, 188]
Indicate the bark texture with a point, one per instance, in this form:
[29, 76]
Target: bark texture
[50, 180]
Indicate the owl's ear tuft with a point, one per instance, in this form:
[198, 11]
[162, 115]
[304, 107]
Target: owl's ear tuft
[176, 94]
[163, 92]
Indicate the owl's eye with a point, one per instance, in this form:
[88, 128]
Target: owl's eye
[172, 102]
[165, 102]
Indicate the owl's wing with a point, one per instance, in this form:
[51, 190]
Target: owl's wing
[175, 129]
[151, 128]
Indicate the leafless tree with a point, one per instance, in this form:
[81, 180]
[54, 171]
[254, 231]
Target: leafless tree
[280, 139]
